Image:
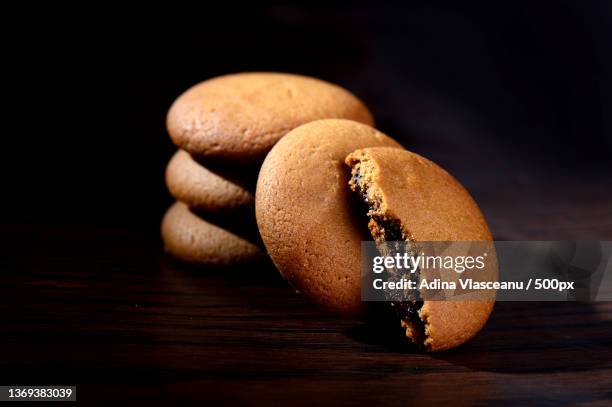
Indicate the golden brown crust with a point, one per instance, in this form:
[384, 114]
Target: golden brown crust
[431, 205]
[449, 324]
[241, 116]
[430, 202]
[193, 239]
[199, 187]
[304, 211]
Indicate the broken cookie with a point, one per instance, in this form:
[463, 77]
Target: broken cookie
[409, 200]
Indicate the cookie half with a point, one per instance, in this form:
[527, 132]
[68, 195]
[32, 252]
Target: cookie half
[304, 211]
[410, 198]
[241, 116]
[193, 239]
[205, 189]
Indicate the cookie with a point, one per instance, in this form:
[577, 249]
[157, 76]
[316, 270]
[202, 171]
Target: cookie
[205, 189]
[410, 198]
[193, 239]
[240, 117]
[304, 211]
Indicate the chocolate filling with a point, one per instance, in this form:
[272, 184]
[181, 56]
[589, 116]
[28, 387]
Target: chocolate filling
[393, 229]
[406, 305]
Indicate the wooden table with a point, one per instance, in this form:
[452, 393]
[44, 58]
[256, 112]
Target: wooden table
[108, 311]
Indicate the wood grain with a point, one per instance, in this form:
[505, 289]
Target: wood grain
[108, 311]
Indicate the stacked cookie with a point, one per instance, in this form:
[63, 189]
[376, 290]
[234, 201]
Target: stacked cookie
[224, 127]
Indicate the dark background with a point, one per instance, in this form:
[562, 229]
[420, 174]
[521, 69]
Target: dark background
[510, 89]
[512, 97]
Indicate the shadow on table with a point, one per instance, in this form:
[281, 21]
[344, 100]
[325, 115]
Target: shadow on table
[523, 337]
[261, 273]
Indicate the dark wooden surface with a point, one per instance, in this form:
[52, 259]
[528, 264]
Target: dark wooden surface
[108, 311]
